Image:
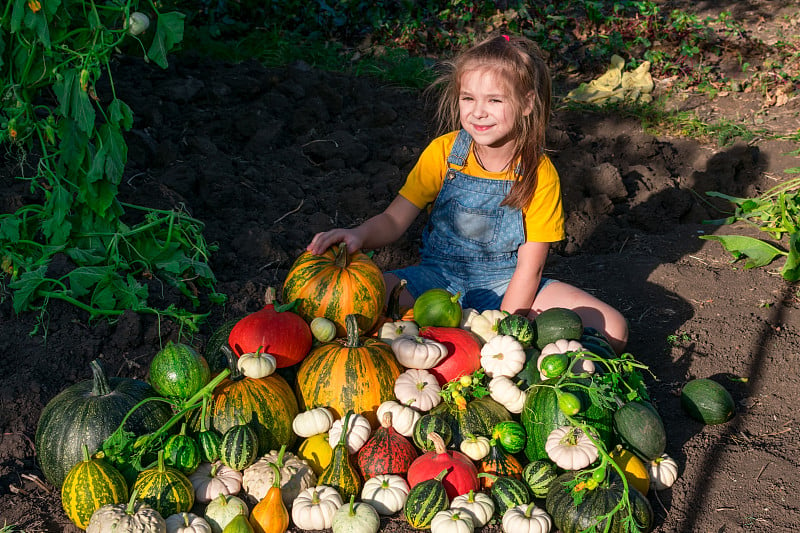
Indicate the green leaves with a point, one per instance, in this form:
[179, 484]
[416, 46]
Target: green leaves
[776, 212]
[169, 32]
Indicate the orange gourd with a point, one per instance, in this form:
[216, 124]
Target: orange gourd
[270, 514]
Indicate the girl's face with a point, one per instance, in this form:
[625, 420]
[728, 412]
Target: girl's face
[486, 108]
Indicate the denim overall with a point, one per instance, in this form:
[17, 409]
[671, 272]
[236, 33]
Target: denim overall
[470, 242]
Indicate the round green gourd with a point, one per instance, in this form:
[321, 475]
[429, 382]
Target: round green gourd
[518, 327]
[539, 475]
[557, 323]
[178, 371]
[431, 423]
[424, 500]
[89, 485]
[507, 492]
[182, 452]
[707, 401]
[209, 441]
[165, 489]
[437, 307]
[510, 434]
[640, 430]
[238, 448]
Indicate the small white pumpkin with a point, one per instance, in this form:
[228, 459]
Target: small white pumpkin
[476, 447]
[663, 472]
[527, 518]
[358, 432]
[356, 518]
[257, 365]
[451, 521]
[296, 475]
[503, 355]
[418, 352]
[418, 388]
[392, 330]
[222, 509]
[570, 448]
[312, 422]
[187, 523]
[314, 507]
[468, 314]
[212, 479]
[403, 417]
[562, 346]
[131, 517]
[484, 325]
[505, 392]
[387, 493]
[479, 506]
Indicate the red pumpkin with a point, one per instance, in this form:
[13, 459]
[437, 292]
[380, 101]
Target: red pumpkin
[386, 452]
[276, 329]
[463, 349]
[462, 476]
[348, 374]
[336, 284]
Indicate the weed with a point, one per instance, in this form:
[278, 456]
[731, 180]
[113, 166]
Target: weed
[678, 338]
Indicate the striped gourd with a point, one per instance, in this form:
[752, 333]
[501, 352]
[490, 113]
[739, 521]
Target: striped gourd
[427, 424]
[340, 472]
[165, 489]
[267, 404]
[239, 446]
[386, 451]
[209, 441]
[511, 436]
[177, 370]
[182, 452]
[336, 284]
[89, 485]
[353, 374]
[539, 475]
[425, 500]
[507, 492]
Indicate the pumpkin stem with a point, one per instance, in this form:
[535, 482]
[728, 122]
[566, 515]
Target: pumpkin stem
[214, 467]
[440, 476]
[343, 437]
[315, 497]
[281, 452]
[530, 509]
[351, 325]
[132, 502]
[393, 303]
[233, 365]
[471, 496]
[161, 466]
[386, 420]
[270, 299]
[100, 385]
[85, 450]
[352, 505]
[340, 256]
[438, 443]
[276, 476]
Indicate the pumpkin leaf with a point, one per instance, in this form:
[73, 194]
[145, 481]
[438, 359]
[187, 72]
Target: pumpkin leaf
[758, 252]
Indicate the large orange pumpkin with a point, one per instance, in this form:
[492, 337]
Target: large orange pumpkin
[268, 405]
[353, 373]
[336, 284]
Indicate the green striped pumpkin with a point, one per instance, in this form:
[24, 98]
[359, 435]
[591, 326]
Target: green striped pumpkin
[478, 418]
[165, 489]
[268, 405]
[89, 485]
[518, 327]
[351, 374]
[424, 500]
[178, 371]
[239, 447]
[209, 441]
[507, 492]
[510, 434]
[182, 452]
[539, 475]
[340, 473]
[336, 284]
[431, 423]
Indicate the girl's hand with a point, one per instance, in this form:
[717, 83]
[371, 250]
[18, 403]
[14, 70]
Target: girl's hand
[322, 241]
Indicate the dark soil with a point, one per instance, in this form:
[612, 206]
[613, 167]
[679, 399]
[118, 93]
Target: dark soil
[267, 157]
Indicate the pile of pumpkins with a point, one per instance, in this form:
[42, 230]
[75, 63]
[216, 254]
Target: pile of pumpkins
[447, 416]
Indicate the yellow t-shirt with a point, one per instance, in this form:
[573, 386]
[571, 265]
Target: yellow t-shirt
[543, 218]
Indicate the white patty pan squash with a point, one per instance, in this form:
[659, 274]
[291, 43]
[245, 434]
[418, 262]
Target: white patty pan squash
[358, 432]
[312, 422]
[418, 352]
[296, 475]
[132, 517]
[314, 507]
[418, 388]
[403, 417]
[503, 355]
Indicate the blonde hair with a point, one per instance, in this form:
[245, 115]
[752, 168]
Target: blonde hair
[519, 63]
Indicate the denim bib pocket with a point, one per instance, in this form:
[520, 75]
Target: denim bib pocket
[474, 224]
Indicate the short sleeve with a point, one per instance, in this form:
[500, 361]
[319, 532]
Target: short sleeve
[544, 216]
[425, 180]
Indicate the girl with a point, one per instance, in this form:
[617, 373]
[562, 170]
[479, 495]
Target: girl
[494, 196]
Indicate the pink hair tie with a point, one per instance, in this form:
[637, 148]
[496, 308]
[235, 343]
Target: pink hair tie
[507, 38]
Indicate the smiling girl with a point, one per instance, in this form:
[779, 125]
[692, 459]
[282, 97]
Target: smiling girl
[494, 196]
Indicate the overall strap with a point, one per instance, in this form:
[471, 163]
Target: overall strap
[460, 151]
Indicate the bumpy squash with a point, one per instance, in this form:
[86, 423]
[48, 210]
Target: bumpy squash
[336, 284]
[353, 374]
[86, 413]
